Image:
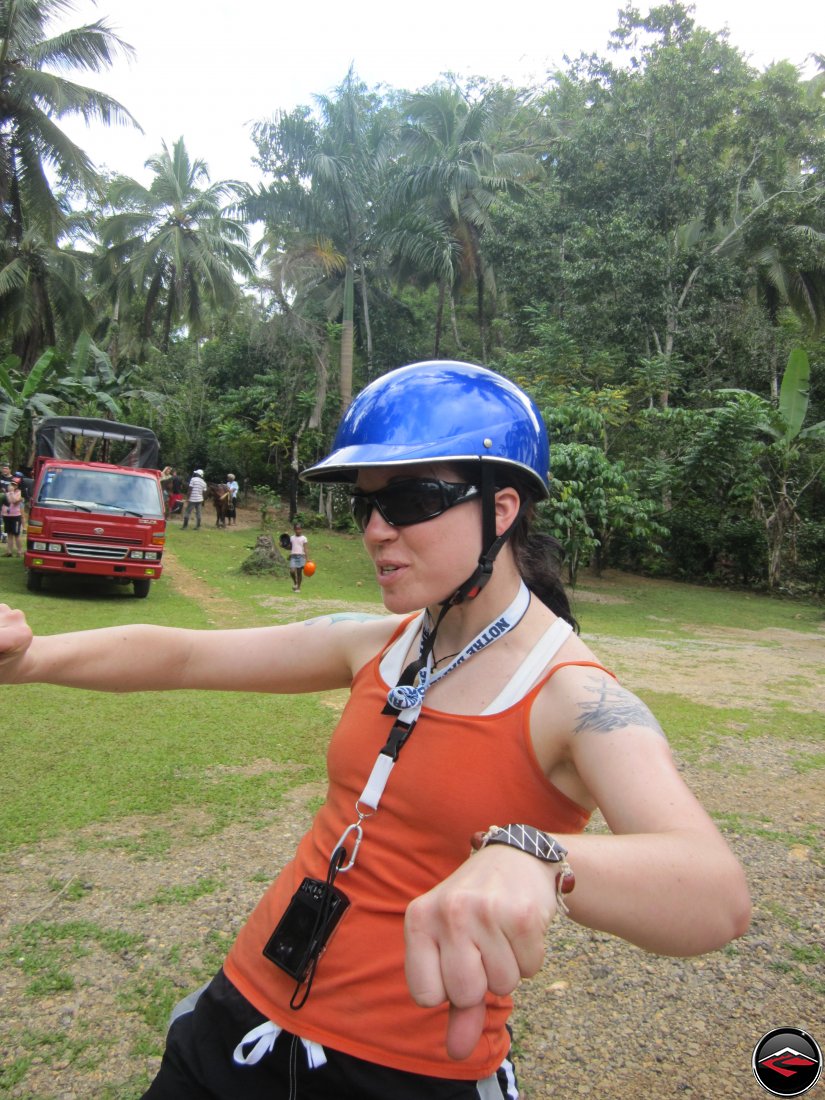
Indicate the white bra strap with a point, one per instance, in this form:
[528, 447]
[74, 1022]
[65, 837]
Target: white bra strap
[392, 663]
[532, 666]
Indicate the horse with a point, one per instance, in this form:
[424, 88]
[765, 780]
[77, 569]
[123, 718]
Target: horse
[221, 496]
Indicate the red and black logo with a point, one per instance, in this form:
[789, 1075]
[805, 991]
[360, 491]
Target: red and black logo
[787, 1062]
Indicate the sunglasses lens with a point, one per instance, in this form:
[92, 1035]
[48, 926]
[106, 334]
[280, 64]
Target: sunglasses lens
[420, 501]
[406, 503]
[361, 510]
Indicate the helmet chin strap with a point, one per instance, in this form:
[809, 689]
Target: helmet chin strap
[493, 543]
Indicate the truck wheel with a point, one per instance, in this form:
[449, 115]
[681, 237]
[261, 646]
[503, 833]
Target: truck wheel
[34, 581]
[141, 587]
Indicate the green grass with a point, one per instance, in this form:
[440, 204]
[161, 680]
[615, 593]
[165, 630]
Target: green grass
[76, 758]
[43, 951]
[658, 608]
[693, 727]
[343, 571]
[183, 893]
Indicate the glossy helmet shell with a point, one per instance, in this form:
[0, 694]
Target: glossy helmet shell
[439, 411]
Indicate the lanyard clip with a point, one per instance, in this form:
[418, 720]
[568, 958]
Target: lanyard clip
[397, 736]
[359, 836]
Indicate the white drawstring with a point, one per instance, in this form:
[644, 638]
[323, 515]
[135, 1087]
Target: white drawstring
[263, 1036]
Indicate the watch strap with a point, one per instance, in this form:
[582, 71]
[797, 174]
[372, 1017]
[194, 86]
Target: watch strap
[527, 839]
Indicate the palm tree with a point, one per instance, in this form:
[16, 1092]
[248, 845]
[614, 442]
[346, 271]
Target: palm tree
[459, 154]
[786, 253]
[321, 207]
[35, 283]
[174, 244]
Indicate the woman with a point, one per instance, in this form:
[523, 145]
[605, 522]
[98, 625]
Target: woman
[481, 725]
[13, 517]
[166, 489]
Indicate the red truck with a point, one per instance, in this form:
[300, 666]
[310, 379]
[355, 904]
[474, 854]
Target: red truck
[97, 505]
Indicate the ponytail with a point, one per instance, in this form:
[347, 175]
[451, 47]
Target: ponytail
[538, 558]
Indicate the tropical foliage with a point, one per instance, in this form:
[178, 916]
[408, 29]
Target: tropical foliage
[41, 293]
[639, 240]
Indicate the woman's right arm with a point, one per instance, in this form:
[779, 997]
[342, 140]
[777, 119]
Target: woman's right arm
[313, 655]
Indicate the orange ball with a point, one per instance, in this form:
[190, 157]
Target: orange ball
[309, 568]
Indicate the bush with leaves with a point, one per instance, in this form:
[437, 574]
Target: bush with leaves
[592, 502]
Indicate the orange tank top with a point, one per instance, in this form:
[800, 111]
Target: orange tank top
[456, 775]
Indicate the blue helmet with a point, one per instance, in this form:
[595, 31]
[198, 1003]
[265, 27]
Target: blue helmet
[439, 411]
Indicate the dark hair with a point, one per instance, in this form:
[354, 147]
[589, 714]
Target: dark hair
[538, 556]
[539, 559]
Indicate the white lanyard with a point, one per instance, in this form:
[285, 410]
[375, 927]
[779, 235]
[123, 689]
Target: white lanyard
[410, 698]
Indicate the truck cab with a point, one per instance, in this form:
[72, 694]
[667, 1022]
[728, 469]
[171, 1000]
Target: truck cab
[97, 506]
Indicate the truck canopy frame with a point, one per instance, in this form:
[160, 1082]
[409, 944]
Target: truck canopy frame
[56, 437]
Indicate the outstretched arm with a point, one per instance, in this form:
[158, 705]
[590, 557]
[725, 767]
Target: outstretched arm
[307, 656]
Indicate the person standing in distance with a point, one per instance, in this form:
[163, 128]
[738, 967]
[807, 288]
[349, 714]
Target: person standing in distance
[233, 487]
[297, 556]
[13, 517]
[197, 493]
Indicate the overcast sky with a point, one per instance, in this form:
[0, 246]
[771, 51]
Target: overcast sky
[205, 69]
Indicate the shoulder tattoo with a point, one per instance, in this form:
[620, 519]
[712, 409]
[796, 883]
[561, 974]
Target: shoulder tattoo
[343, 617]
[611, 708]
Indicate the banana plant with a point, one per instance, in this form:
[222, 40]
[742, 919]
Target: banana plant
[24, 394]
[792, 464]
[794, 396]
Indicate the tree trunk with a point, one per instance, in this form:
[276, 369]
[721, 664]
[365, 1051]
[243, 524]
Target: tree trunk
[293, 474]
[482, 332]
[347, 342]
[321, 380]
[439, 318]
[167, 313]
[775, 527]
[365, 310]
[454, 323]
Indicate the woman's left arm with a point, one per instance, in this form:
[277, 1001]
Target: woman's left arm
[665, 879]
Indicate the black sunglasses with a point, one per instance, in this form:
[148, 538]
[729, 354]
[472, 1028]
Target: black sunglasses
[413, 500]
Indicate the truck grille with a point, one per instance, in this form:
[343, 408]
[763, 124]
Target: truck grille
[63, 535]
[87, 550]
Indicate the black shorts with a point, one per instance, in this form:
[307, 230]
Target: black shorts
[198, 1064]
[12, 525]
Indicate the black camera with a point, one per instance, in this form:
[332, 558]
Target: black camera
[304, 930]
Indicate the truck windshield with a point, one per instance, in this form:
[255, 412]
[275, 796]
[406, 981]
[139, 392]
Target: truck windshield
[100, 491]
